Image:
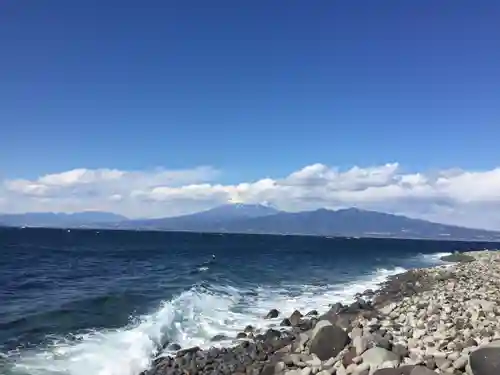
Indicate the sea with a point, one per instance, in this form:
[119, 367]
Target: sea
[90, 302]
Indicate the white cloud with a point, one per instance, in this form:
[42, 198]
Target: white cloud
[452, 196]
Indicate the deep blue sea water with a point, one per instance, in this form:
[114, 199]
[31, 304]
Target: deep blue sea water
[86, 302]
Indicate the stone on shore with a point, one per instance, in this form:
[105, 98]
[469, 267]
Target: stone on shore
[486, 360]
[327, 340]
[377, 356]
[403, 370]
[273, 313]
[458, 257]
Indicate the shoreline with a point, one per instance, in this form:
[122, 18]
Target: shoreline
[421, 322]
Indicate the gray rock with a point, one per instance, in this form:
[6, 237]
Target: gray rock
[400, 350]
[248, 329]
[420, 370]
[268, 369]
[348, 357]
[360, 343]
[403, 370]
[279, 367]
[470, 342]
[486, 360]
[286, 323]
[327, 340]
[273, 313]
[362, 369]
[295, 318]
[461, 362]
[291, 359]
[376, 356]
[459, 258]
[219, 337]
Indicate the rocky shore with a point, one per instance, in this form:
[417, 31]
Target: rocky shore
[442, 320]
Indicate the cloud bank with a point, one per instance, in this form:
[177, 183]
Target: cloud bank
[455, 196]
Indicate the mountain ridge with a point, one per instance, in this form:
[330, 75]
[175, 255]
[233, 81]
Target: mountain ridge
[59, 219]
[265, 219]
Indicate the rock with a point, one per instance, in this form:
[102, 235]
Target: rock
[430, 363]
[382, 342]
[191, 350]
[348, 357]
[273, 313]
[248, 329]
[327, 340]
[313, 362]
[286, 323]
[458, 258]
[376, 356]
[336, 308]
[360, 343]
[400, 350]
[403, 370]
[312, 313]
[420, 370]
[362, 369]
[461, 362]
[387, 309]
[219, 337]
[295, 318]
[241, 335]
[269, 369]
[486, 360]
[470, 342]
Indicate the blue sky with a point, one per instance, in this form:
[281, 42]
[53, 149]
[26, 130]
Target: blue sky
[253, 89]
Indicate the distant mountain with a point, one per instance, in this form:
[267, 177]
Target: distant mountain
[214, 219]
[60, 220]
[346, 222]
[235, 211]
[263, 219]
[355, 223]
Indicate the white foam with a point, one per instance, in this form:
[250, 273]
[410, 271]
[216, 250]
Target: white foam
[190, 319]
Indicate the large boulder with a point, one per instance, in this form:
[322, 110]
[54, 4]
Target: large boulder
[327, 340]
[486, 360]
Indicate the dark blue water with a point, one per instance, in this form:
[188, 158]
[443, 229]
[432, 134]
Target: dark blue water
[102, 302]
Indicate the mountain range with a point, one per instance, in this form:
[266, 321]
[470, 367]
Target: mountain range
[263, 219]
[60, 220]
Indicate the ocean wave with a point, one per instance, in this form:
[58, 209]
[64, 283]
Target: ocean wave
[192, 318]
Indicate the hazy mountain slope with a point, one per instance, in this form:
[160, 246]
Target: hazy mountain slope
[51, 219]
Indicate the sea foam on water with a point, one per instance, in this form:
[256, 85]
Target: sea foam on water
[190, 319]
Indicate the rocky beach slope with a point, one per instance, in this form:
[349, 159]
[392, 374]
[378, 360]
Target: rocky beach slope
[442, 320]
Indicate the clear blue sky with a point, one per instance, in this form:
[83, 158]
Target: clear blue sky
[252, 87]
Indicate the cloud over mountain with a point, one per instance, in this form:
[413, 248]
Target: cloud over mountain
[451, 196]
